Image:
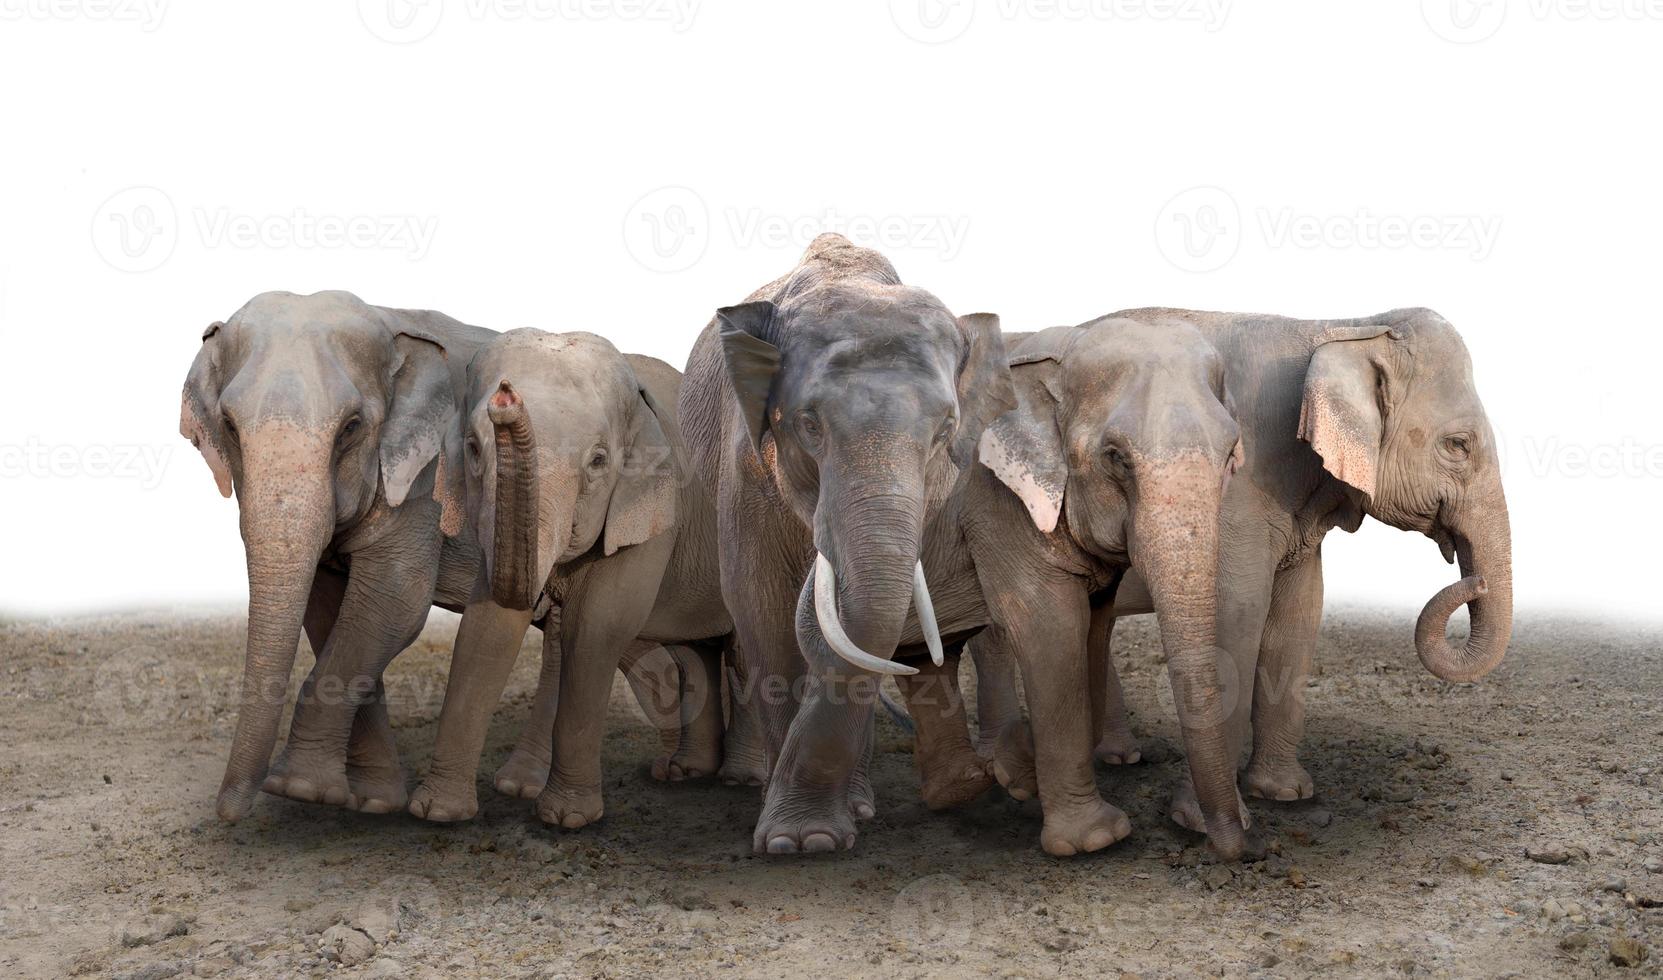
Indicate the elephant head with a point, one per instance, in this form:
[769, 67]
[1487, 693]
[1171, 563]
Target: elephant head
[314, 410]
[1392, 410]
[1124, 440]
[864, 401]
[559, 448]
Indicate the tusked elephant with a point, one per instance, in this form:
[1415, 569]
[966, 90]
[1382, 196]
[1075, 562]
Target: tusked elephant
[829, 417]
[567, 463]
[1341, 419]
[324, 415]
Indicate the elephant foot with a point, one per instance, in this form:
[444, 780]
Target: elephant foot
[742, 772]
[1118, 749]
[523, 775]
[1013, 761]
[1287, 782]
[376, 789]
[1082, 830]
[442, 802]
[688, 764]
[1185, 809]
[954, 780]
[568, 807]
[310, 776]
[804, 820]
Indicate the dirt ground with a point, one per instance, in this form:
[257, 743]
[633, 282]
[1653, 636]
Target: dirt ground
[1509, 828]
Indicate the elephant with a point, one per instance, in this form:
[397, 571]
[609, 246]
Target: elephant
[1342, 419]
[1119, 451]
[324, 415]
[829, 416]
[566, 462]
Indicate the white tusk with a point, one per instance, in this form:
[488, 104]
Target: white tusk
[825, 611]
[926, 615]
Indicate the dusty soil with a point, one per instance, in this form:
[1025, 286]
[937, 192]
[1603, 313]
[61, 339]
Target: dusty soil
[1414, 858]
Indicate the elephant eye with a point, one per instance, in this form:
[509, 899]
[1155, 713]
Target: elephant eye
[809, 426]
[1117, 459]
[948, 426]
[1458, 447]
[351, 426]
[597, 458]
[230, 427]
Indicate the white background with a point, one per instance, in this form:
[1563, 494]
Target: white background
[509, 161]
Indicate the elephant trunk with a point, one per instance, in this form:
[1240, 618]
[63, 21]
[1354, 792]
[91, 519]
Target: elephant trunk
[1175, 545]
[515, 583]
[1484, 546]
[867, 572]
[286, 524]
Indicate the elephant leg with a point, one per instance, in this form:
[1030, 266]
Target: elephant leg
[609, 608]
[1047, 626]
[1116, 745]
[997, 703]
[699, 742]
[526, 770]
[372, 754]
[653, 672]
[744, 754]
[487, 644]
[950, 772]
[383, 610]
[1285, 655]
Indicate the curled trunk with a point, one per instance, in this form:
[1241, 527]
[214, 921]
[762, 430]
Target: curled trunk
[286, 523]
[1483, 544]
[514, 579]
[1176, 548]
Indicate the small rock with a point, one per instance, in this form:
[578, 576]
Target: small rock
[1653, 865]
[1320, 818]
[1617, 885]
[346, 945]
[155, 971]
[1399, 793]
[379, 921]
[693, 899]
[152, 929]
[1216, 877]
[1552, 910]
[384, 966]
[1626, 952]
[1575, 942]
[1548, 854]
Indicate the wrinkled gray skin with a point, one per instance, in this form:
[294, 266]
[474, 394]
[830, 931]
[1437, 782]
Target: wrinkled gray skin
[1341, 419]
[830, 415]
[568, 461]
[324, 415]
[1118, 451]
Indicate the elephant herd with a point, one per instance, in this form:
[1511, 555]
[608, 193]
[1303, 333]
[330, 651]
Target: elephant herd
[847, 482]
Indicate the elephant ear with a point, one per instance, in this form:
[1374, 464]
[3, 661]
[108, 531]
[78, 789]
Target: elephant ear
[643, 503]
[984, 383]
[1023, 447]
[199, 411]
[1341, 415]
[751, 360]
[423, 407]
